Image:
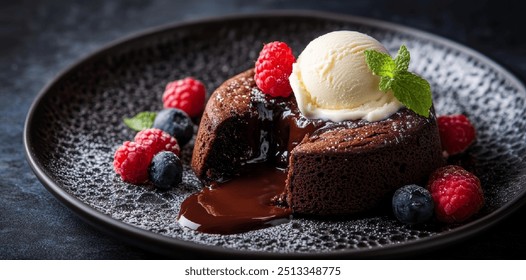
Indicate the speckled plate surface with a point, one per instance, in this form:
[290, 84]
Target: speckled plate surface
[75, 125]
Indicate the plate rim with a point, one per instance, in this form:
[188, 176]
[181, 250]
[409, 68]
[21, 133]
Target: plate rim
[158, 243]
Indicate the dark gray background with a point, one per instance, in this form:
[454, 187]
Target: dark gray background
[40, 38]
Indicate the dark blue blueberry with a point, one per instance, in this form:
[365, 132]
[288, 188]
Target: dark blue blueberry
[166, 170]
[177, 123]
[412, 204]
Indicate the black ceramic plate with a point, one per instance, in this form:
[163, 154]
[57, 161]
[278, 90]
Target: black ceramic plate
[75, 125]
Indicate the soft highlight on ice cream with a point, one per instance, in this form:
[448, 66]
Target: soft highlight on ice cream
[332, 81]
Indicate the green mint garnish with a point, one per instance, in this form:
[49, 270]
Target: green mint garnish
[411, 90]
[142, 120]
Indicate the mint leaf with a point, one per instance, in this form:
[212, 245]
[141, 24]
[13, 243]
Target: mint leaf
[142, 120]
[402, 59]
[380, 63]
[410, 89]
[385, 83]
[413, 91]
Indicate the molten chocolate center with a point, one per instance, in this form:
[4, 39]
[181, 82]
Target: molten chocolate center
[247, 202]
[239, 205]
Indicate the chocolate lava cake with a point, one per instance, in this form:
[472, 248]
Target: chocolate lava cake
[333, 168]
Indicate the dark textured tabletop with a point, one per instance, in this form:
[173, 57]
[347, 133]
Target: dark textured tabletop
[38, 39]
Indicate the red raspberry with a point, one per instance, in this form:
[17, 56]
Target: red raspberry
[456, 192]
[273, 68]
[131, 161]
[156, 140]
[187, 94]
[456, 133]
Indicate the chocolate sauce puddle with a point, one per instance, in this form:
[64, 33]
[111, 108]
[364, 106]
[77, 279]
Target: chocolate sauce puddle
[239, 205]
[245, 203]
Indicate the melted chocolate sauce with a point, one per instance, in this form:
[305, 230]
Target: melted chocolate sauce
[246, 202]
[242, 204]
[290, 130]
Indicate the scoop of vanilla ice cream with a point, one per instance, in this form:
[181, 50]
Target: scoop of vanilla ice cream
[331, 80]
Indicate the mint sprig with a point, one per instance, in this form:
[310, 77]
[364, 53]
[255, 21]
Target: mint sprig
[142, 120]
[410, 89]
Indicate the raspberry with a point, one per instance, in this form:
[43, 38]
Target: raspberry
[273, 68]
[156, 140]
[456, 133]
[131, 162]
[456, 192]
[187, 94]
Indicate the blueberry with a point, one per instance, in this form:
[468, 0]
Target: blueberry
[412, 204]
[177, 123]
[166, 170]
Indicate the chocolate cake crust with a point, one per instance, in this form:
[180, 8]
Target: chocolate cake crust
[225, 138]
[345, 170]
